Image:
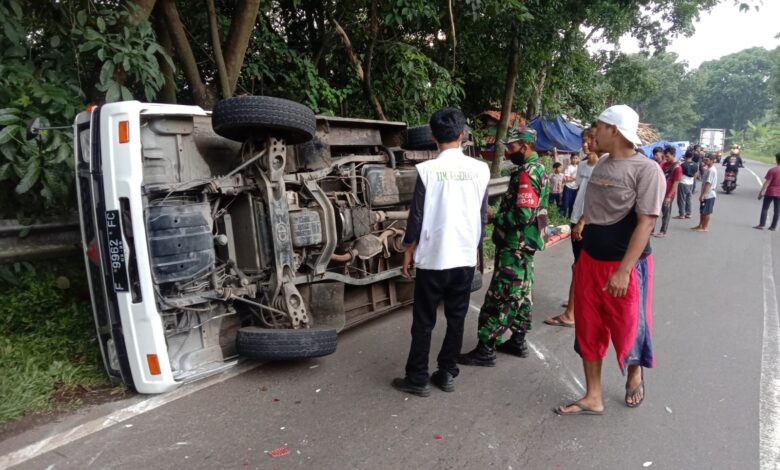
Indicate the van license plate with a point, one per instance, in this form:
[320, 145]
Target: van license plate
[116, 252]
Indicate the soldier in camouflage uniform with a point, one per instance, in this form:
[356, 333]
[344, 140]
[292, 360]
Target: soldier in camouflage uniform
[518, 232]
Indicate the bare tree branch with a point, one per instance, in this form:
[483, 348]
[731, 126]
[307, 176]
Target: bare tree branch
[244, 18]
[506, 108]
[224, 82]
[189, 65]
[168, 92]
[454, 37]
[353, 58]
[145, 8]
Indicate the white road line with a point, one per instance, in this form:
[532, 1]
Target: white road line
[760, 183]
[104, 422]
[769, 398]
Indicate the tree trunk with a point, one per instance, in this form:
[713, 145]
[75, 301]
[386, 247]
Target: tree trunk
[167, 93]
[244, 18]
[353, 58]
[145, 8]
[506, 108]
[538, 92]
[200, 93]
[454, 37]
[224, 82]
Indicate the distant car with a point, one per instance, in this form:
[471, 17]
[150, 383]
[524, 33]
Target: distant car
[683, 144]
[258, 230]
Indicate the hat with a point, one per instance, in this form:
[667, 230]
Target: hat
[514, 134]
[626, 120]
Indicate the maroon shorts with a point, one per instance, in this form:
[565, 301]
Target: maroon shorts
[626, 320]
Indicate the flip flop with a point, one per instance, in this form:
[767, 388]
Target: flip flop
[632, 393]
[557, 321]
[584, 410]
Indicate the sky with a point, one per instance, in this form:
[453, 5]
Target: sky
[723, 31]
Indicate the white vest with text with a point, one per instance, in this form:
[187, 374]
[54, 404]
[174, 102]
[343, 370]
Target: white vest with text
[455, 186]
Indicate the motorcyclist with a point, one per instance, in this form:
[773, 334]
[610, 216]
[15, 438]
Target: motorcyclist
[733, 162]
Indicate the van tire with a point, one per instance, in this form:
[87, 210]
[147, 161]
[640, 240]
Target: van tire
[241, 117]
[273, 344]
[420, 138]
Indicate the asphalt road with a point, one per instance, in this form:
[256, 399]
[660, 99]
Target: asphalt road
[702, 407]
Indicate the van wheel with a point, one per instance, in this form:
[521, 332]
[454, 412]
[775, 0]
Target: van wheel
[419, 138]
[266, 343]
[241, 117]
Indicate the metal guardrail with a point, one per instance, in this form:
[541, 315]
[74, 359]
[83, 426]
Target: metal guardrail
[498, 186]
[20, 242]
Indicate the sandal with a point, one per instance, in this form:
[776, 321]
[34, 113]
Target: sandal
[584, 410]
[558, 321]
[635, 391]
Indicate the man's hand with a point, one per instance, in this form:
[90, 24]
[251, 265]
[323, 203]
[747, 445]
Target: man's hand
[667, 202]
[760, 196]
[701, 197]
[617, 284]
[407, 263]
[576, 231]
[489, 214]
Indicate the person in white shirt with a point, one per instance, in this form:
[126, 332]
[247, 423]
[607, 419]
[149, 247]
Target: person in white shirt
[570, 185]
[577, 221]
[707, 196]
[446, 221]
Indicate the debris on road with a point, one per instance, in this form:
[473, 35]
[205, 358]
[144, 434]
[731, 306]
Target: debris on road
[668, 410]
[280, 452]
[647, 464]
[437, 437]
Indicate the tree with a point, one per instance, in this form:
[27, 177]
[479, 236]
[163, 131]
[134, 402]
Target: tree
[659, 88]
[735, 89]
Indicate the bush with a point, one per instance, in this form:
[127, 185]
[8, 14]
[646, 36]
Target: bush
[47, 339]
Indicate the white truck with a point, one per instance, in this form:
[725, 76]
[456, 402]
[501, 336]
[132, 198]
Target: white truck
[711, 140]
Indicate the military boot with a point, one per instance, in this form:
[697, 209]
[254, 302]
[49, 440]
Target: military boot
[483, 355]
[516, 346]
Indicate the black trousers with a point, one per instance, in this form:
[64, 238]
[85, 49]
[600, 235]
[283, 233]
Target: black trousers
[770, 200]
[432, 287]
[666, 214]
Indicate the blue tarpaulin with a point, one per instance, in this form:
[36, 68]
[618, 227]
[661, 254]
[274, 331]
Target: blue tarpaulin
[556, 132]
[648, 149]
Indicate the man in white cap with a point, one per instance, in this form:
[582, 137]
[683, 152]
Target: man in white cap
[613, 276]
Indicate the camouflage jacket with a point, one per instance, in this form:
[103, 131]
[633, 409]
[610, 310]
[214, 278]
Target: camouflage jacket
[522, 228]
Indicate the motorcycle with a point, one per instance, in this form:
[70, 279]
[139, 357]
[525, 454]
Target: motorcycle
[729, 182]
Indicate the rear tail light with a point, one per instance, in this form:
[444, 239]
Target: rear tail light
[154, 364]
[124, 132]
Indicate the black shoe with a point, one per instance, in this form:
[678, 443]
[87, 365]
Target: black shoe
[443, 380]
[404, 385]
[516, 346]
[483, 355]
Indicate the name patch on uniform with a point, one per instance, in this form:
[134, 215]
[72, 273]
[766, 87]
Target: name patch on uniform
[526, 196]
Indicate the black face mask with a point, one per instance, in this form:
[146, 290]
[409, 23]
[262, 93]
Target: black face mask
[517, 158]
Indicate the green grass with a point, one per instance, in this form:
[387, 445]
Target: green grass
[758, 156]
[48, 349]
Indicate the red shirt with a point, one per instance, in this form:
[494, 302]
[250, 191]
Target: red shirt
[673, 172]
[773, 176]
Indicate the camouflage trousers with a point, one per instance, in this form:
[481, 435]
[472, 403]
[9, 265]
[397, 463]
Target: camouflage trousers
[508, 302]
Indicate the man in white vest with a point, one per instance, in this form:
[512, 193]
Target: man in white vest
[446, 221]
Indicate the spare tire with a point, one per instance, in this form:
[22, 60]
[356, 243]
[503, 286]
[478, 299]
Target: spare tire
[241, 117]
[420, 138]
[271, 344]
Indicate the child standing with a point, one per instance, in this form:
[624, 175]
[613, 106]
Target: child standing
[556, 186]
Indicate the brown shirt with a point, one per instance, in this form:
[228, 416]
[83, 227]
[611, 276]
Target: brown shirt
[618, 187]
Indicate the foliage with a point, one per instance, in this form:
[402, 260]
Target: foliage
[735, 89]
[660, 88]
[47, 338]
[51, 55]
